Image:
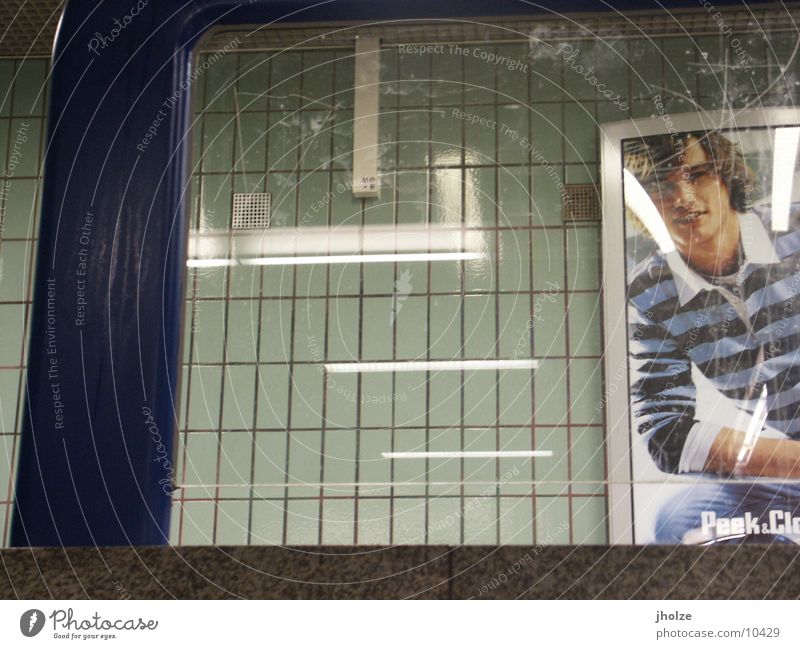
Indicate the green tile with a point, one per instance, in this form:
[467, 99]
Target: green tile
[412, 197]
[198, 523]
[5, 125]
[380, 280]
[372, 466]
[245, 281]
[512, 125]
[342, 134]
[267, 522]
[283, 141]
[232, 522]
[242, 339]
[14, 262]
[446, 145]
[444, 523]
[273, 396]
[550, 383]
[414, 79]
[344, 82]
[410, 327]
[479, 77]
[345, 279]
[388, 137]
[446, 75]
[583, 258]
[23, 148]
[253, 80]
[445, 398]
[545, 75]
[480, 134]
[9, 391]
[278, 281]
[409, 470]
[218, 138]
[480, 274]
[551, 473]
[7, 465]
[445, 327]
[552, 521]
[445, 470]
[645, 66]
[547, 186]
[679, 69]
[480, 203]
[309, 330]
[480, 331]
[580, 126]
[345, 209]
[341, 400]
[340, 462]
[12, 317]
[311, 207]
[413, 138]
[306, 396]
[514, 196]
[251, 140]
[305, 458]
[479, 469]
[343, 325]
[586, 380]
[20, 205]
[315, 132]
[209, 332]
[480, 523]
[210, 282]
[285, 88]
[445, 276]
[578, 58]
[269, 465]
[6, 81]
[547, 133]
[29, 87]
[516, 326]
[276, 330]
[376, 314]
[514, 270]
[585, 336]
[216, 201]
[516, 405]
[389, 75]
[239, 397]
[408, 522]
[410, 389]
[201, 459]
[317, 78]
[302, 522]
[377, 399]
[588, 460]
[548, 260]
[516, 522]
[549, 326]
[338, 522]
[515, 470]
[589, 521]
[512, 71]
[374, 522]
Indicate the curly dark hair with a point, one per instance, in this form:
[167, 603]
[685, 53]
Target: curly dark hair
[655, 157]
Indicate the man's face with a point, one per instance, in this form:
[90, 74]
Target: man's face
[694, 202]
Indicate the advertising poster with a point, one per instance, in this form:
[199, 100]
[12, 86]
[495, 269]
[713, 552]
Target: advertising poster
[711, 225]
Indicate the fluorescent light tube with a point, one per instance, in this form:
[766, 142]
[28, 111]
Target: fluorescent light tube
[424, 366]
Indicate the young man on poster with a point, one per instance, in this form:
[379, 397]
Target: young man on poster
[722, 295]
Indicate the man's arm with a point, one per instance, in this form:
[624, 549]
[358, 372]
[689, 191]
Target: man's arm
[769, 458]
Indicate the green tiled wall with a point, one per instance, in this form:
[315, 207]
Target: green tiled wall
[23, 95]
[308, 461]
[267, 453]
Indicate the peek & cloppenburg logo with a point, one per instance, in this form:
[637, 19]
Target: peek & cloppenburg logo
[66, 625]
[31, 622]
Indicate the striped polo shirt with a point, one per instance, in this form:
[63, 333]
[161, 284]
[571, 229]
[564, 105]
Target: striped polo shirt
[743, 336]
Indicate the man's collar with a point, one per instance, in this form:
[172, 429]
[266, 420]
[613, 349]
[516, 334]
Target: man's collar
[758, 249]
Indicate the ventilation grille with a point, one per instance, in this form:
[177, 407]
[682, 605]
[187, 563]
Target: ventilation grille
[581, 202]
[251, 211]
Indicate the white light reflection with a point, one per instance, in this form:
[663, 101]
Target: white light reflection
[414, 455]
[334, 259]
[757, 420]
[783, 163]
[424, 366]
[640, 203]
